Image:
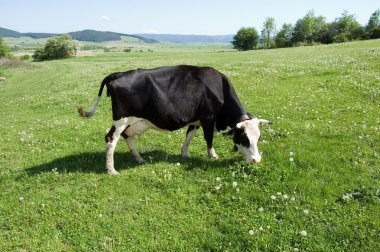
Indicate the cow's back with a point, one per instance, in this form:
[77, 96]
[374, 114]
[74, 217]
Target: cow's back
[169, 97]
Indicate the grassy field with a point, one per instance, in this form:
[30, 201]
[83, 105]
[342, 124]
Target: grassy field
[27, 45]
[317, 188]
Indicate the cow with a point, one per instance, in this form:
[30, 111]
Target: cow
[2, 78]
[170, 98]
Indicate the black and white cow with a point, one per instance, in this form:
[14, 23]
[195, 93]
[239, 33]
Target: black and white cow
[169, 98]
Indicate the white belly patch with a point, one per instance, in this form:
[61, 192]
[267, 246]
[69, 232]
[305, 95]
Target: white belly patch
[137, 126]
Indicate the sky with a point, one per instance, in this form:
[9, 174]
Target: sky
[200, 17]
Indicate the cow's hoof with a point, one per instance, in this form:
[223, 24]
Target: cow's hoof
[185, 156]
[113, 172]
[140, 160]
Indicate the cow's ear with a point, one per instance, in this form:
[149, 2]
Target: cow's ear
[240, 125]
[263, 121]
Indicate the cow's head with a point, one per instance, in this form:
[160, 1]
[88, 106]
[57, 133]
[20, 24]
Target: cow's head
[246, 136]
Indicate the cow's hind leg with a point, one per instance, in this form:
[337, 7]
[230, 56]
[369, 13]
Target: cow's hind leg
[208, 130]
[111, 140]
[131, 144]
[190, 134]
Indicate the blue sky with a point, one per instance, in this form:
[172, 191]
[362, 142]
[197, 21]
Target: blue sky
[168, 16]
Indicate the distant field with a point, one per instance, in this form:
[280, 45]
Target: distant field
[27, 45]
[317, 188]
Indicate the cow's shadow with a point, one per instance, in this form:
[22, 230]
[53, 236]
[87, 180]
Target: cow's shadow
[94, 162]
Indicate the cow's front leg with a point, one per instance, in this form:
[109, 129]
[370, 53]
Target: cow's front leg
[190, 134]
[132, 147]
[111, 140]
[208, 130]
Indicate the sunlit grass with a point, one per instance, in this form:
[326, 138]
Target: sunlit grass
[317, 188]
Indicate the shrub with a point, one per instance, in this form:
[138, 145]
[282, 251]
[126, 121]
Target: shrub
[25, 57]
[127, 50]
[4, 49]
[375, 33]
[246, 39]
[56, 48]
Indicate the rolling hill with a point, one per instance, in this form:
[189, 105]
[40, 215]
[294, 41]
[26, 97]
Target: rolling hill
[100, 36]
[85, 35]
[176, 38]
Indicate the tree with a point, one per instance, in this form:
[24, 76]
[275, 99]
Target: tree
[373, 26]
[246, 39]
[284, 36]
[268, 32]
[56, 48]
[4, 49]
[308, 28]
[348, 28]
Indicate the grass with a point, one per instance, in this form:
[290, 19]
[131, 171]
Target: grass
[320, 159]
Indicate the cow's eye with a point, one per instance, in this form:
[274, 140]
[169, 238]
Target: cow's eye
[244, 140]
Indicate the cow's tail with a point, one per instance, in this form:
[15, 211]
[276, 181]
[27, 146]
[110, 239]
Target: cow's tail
[91, 112]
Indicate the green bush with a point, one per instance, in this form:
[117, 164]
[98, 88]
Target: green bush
[4, 49]
[342, 37]
[56, 48]
[25, 57]
[246, 39]
[375, 33]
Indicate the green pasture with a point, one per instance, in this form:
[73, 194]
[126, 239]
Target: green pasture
[317, 188]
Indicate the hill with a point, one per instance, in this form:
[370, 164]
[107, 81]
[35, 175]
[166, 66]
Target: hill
[100, 36]
[85, 35]
[189, 38]
[9, 33]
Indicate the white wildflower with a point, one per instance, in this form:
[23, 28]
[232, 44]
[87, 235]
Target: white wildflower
[251, 232]
[261, 209]
[234, 184]
[286, 196]
[217, 179]
[303, 233]
[273, 197]
[306, 211]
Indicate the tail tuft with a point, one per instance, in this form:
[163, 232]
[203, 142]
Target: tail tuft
[82, 113]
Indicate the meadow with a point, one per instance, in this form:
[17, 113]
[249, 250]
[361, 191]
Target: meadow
[316, 189]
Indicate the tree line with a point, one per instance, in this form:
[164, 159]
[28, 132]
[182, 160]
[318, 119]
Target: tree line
[309, 30]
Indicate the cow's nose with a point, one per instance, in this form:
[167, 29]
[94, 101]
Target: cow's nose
[256, 160]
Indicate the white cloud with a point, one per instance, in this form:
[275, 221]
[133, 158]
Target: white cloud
[104, 17]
